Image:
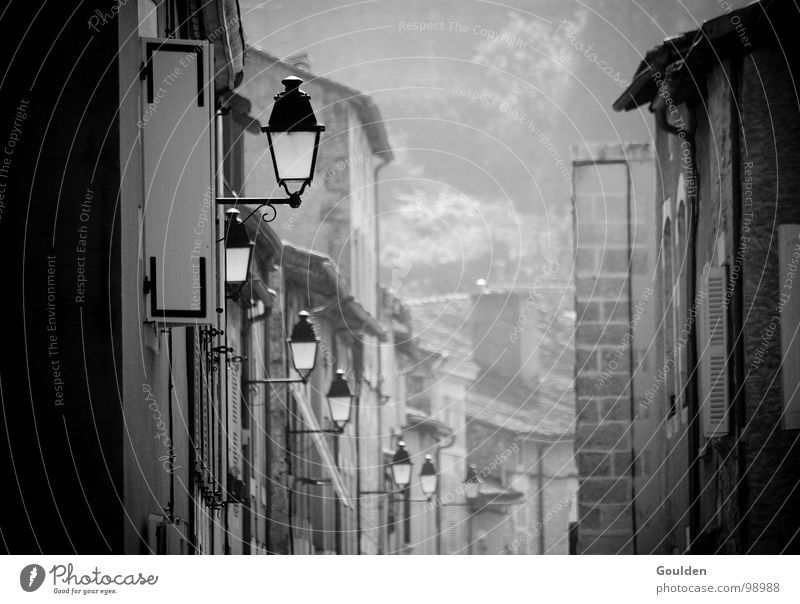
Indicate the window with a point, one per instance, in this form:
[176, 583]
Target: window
[522, 515]
[522, 544]
[148, 19]
[362, 214]
[450, 412]
[451, 538]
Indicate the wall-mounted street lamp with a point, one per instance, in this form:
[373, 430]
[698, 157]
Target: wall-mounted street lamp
[303, 344]
[293, 135]
[472, 483]
[340, 400]
[238, 253]
[428, 479]
[401, 466]
[401, 475]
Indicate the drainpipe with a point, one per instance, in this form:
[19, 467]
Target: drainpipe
[736, 323]
[540, 497]
[694, 403]
[171, 450]
[359, 386]
[222, 326]
[267, 400]
[440, 445]
[379, 305]
[631, 368]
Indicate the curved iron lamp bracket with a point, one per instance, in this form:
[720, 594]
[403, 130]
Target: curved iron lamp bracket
[293, 201]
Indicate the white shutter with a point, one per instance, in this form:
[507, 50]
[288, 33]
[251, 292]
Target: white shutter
[573, 507]
[176, 127]
[521, 542]
[234, 424]
[451, 538]
[713, 360]
[789, 301]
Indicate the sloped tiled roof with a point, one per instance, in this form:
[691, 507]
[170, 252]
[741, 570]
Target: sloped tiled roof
[734, 31]
[555, 392]
[442, 326]
[316, 273]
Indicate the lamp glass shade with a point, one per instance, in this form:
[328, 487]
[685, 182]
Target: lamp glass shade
[303, 344]
[340, 400]
[238, 249]
[237, 264]
[401, 473]
[472, 483]
[304, 355]
[401, 466]
[293, 135]
[428, 478]
[293, 154]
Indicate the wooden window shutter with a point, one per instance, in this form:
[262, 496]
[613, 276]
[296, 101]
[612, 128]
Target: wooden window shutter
[714, 356]
[522, 543]
[789, 301]
[177, 138]
[452, 537]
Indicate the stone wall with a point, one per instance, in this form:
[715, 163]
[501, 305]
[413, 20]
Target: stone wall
[746, 131]
[612, 196]
[771, 129]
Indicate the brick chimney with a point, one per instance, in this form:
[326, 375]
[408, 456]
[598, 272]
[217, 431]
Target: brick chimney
[505, 334]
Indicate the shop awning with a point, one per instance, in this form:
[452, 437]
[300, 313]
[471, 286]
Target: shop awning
[325, 453]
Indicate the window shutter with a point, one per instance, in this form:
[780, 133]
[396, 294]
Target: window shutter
[573, 507]
[713, 350]
[452, 537]
[234, 427]
[522, 514]
[521, 542]
[789, 301]
[176, 128]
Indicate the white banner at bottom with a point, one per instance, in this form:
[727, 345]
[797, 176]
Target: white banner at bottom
[399, 579]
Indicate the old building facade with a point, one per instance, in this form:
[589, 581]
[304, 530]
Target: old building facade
[164, 435]
[486, 382]
[722, 389]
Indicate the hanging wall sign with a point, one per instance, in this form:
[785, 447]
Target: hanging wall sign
[176, 126]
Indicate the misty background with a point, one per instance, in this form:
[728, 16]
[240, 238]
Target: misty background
[481, 101]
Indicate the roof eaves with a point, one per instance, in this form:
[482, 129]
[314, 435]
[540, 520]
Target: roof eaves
[300, 262]
[689, 47]
[365, 107]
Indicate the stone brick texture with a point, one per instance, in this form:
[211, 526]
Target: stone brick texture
[771, 126]
[758, 511]
[609, 263]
